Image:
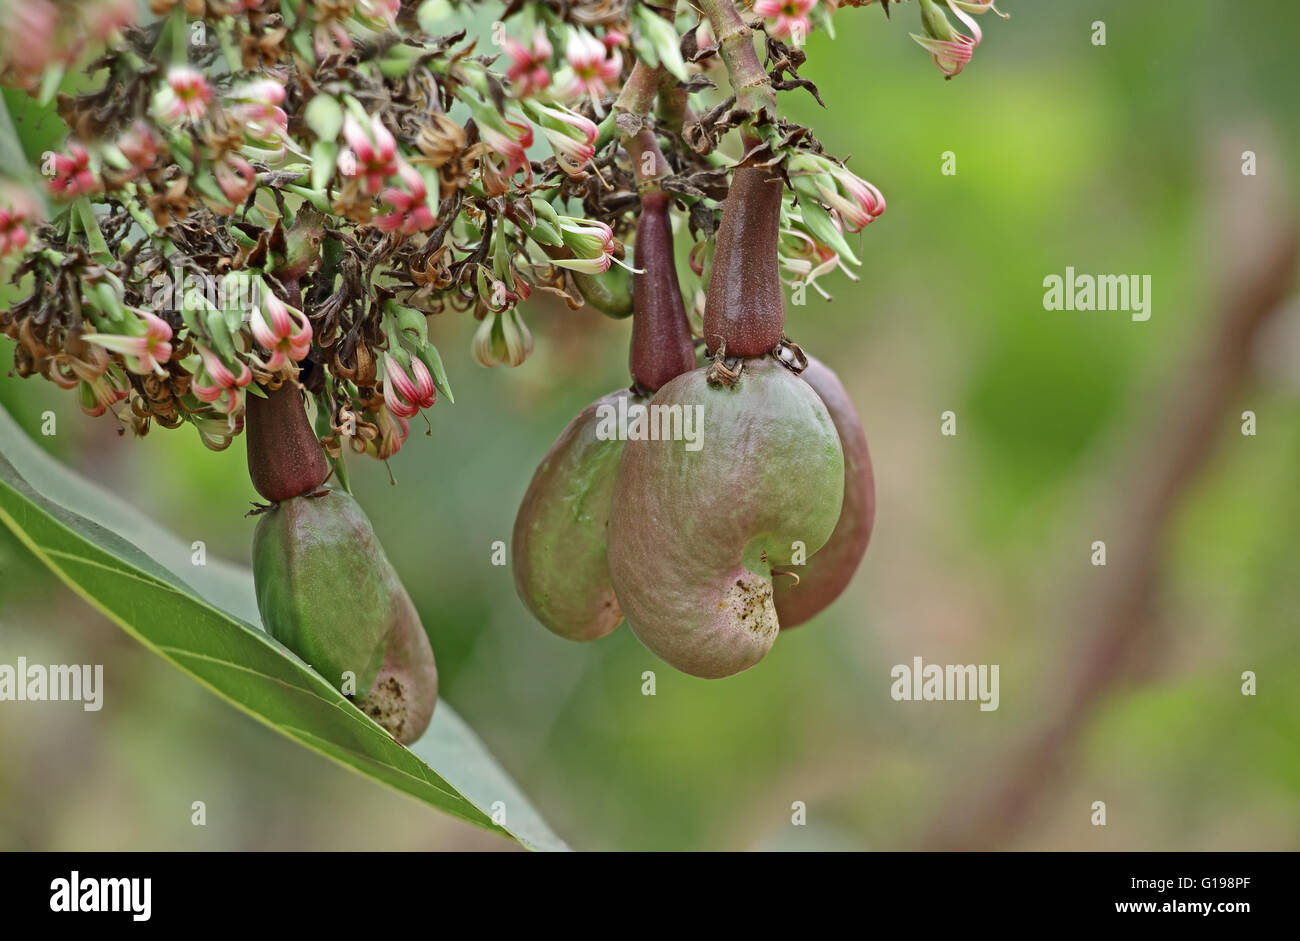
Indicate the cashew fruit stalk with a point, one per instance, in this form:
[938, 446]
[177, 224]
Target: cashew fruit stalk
[285, 458]
[745, 309]
[661, 335]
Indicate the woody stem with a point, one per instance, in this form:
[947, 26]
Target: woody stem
[638, 136]
[752, 87]
[638, 95]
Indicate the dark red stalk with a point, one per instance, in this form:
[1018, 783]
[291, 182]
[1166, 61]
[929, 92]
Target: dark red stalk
[661, 335]
[285, 459]
[745, 306]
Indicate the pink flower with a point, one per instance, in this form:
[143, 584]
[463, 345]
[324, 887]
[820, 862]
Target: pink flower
[859, 202]
[257, 107]
[237, 180]
[186, 96]
[410, 212]
[140, 146]
[108, 16]
[572, 155]
[13, 234]
[571, 135]
[952, 55]
[590, 70]
[405, 395]
[285, 331]
[72, 174]
[267, 90]
[224, 387]
[512, 144]
[529, 71]
[372, 157]
[592, 244]
[98, 395]
[786, 18]
[17, 211]
[29, 40]
[329, 38]
[393, 432]
[950, 48]
[613, 38]
[145, 352]
[380, 14]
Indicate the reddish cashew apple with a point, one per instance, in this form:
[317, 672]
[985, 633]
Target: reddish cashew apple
[829, 572]
[695, 534]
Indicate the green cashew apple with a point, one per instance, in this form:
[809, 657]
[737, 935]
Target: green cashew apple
[609, 292]
[326, 591]
[559, 543]
[558, 546]
[827, 573]
[695, 534]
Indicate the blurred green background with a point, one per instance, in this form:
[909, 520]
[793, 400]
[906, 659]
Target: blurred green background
[1122, 158]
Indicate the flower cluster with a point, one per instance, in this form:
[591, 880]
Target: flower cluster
[260, 192]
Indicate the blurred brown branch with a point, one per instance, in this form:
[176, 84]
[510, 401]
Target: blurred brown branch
[1117, 620]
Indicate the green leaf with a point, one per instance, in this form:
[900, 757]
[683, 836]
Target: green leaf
[38, 127]
[315, 198]
[433, 12]
[94, 236]
[301, 40]
[204, 621]
[660, 41]
[50, 83]
[11, 149]
[324, 116]
[543, 233]
[429, 354]
[823, 229]
[324, 154]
